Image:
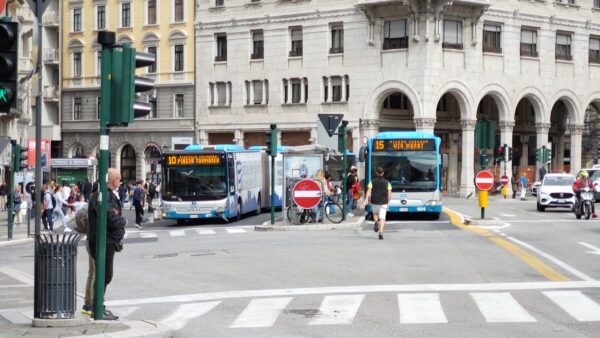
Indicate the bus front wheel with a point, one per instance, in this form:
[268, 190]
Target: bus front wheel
[238, 217]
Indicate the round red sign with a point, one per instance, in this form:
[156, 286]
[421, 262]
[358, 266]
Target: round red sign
[504, 180]
[484, 180]
[307, 194]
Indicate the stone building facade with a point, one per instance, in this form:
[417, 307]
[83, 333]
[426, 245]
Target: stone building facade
[531, 67]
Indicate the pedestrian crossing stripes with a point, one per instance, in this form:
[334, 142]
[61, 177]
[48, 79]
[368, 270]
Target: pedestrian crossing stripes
[185, 232]
[501, 308]
[576, 304]
[421, 308]
[336, 310]
[262, 312]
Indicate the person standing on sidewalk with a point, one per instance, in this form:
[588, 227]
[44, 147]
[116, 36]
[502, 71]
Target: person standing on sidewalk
[523, 187]
[47, 209]
[138, 195]
[514, 182]
[3, 194]
[351, 179]
[83, 226]
[115, 229]
[379, 192]
[17, 200]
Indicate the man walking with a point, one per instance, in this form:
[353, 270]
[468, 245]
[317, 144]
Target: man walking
[137, 203]
[523, 187]
[379, 192]
[48, 205]
[115, 229]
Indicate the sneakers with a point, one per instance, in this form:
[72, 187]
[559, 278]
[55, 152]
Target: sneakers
[138, 226]
[107, 315]
[67, 230]
[87, 310]
[594, 215]
[350, 214]
[380, 236]
[376, 227]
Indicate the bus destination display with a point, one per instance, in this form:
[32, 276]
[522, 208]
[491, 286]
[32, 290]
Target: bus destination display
[404, 145]
[193, 159]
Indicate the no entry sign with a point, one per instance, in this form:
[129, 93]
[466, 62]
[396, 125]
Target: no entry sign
[307, 194]
[484, 180]
[504, 180]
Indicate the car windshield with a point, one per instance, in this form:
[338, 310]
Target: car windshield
[559, 180]
[594, 174]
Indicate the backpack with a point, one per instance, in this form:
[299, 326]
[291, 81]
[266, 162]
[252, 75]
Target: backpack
[53, 200]
[356, 190]
[152, 189]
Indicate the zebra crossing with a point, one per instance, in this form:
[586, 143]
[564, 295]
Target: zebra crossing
[427, 308]
[187, 232]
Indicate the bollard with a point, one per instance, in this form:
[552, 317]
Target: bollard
[504, 191]
[483, 202]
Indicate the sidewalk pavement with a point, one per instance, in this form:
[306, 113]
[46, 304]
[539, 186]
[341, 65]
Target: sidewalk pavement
[469, 210]
[19, 235]
[352, 223]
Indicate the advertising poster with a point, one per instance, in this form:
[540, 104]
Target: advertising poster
[45, 156]
[298, 167]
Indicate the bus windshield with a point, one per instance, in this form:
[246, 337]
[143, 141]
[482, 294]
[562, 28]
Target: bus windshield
[195, 183]
[407, 171]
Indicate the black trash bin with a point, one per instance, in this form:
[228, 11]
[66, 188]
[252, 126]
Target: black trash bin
[55, 276]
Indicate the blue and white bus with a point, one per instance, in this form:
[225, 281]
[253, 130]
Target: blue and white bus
[204, 182]
[412, 164]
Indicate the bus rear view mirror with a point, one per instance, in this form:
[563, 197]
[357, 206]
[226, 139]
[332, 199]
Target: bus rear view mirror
[362, 154]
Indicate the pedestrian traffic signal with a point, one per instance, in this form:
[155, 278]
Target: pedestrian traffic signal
[548, 157]
[23, 158]
[510, 154]
[124, 85]
[9, 38]
[500, 154]
[272, 141]
[538, 155]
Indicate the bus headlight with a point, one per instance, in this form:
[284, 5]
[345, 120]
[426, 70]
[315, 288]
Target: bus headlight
[433, 202]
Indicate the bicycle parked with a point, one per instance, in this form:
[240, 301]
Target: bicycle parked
[332, 210]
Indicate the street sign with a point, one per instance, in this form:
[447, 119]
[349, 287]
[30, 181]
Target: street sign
[504, 180]
[307, 194]
[484, 180]
[331, 122]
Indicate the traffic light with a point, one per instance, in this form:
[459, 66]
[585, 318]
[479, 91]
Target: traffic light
[9, 38]
[500, 156]
[124, 85]
[19, 161]
[272, 141]
[538, 155]
[23, 158]
[548, 155]
[510, 154]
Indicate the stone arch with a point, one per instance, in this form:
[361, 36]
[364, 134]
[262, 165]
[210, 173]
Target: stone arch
[76, 150]
[593, 100]
[128, 165]
[177, 34]
[151, 37]
[503, 101]
[461, 92]
[539, 102]
[572, 104]
[75, 43]
[124, 38]
[381, 92]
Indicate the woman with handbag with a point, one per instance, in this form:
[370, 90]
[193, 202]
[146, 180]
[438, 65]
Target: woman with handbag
[17, 200]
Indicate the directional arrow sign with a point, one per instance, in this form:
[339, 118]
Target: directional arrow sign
[594, 250]
[331, 122]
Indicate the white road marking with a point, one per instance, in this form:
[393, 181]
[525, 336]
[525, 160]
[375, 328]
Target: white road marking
[186, 312]
[421, 308]
[199, 297]
[594, 251]
[501, 308]
[235, 231]
[177, 233]
[148, 235]
[336, 310]
[18, 275]
[575, 303]
[411, 222]
[205, 231]
[261, 312]
[507, 215]
[555, 260]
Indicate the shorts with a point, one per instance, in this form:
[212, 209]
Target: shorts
[380, 210]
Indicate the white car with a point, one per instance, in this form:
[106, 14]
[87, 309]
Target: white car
[556, 191]
[534, 187]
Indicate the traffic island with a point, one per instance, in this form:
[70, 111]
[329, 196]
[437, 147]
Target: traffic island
[351, 223]
[482, 222]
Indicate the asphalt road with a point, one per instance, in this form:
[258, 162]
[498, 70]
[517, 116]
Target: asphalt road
[528, 275]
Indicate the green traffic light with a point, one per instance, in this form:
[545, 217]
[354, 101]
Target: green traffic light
[4, 95]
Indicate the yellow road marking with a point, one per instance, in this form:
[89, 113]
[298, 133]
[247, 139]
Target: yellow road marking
[526, 257]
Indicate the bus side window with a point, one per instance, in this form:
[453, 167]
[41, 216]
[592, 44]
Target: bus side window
[231, 173]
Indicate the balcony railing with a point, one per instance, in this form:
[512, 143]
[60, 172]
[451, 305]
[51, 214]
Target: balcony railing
[492, 49]
[50, 19]
[564, 57]
[336, 50]
[256, 56]
[51, 55]
[50, 94]
[528, 50]
[448, 45]
[25, 65]
[220, 58]
[297, 52]
[395, 43]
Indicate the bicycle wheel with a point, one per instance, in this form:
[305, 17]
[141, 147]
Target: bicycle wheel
[334, 213]
[296, 216]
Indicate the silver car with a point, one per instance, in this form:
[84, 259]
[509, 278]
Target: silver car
[556, 191]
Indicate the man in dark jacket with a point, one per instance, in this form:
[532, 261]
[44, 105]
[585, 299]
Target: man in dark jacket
[115, 228]
[86, 189]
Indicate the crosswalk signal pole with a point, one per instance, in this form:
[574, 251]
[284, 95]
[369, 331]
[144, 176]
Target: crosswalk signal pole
[342, 135]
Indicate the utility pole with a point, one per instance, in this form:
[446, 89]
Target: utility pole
[342, 135]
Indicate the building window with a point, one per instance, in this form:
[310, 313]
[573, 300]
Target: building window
[77, 64]
[101, 17]
[152, 67]
[178, 10]
[77, 113]
[563, 47]
[396, 101]
[220, 94]
[126, 14]
[257, 92]
[76, 19]
[596, 3]
[529, 42]
[178, 105]
[178, 58]
[257, 45]
[296, 37]
[99, 63]
[336, 89]
[153, 108]
[337, 38]
[453, 34]
[594, 49]
[395, 35]
[295, 90]
[151, 19]
[219, 3]
[221, 40]
[492, 34]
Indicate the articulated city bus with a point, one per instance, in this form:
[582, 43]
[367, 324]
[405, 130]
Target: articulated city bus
[412, 164]
[211, 182]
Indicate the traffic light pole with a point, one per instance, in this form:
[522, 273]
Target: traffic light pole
[272, 190]
[11, 183]
[105, 86]
[342, 135]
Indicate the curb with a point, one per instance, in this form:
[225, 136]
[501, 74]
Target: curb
[357, 224]
[14, 242]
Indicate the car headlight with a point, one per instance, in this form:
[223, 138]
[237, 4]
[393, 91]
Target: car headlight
[544, 193]
[433, 203]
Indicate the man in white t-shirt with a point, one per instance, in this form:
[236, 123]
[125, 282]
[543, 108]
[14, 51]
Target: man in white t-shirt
[66, 192]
